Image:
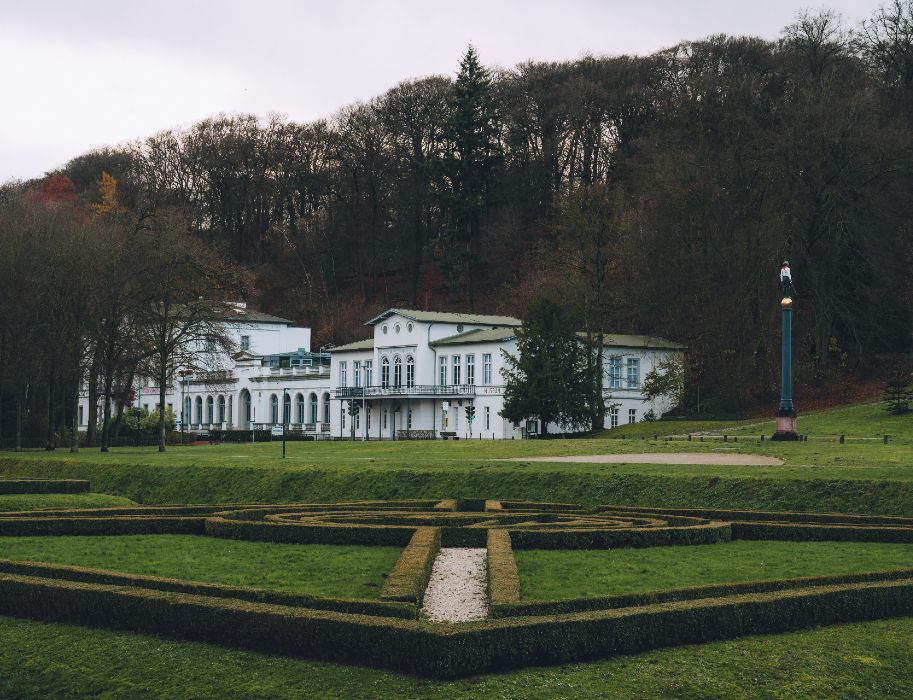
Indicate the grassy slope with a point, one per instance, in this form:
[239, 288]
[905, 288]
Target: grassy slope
[856, 477]
[336, 571]
[554, 574]
[870, 660]
[10, 502]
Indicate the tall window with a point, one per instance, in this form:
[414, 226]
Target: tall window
[286, 409]
[342, 374]
[199, 410]
[326, 408]
[410, 371]
[356, 373]
[457, 370]
[487, 418]
[210, 410]
[409, 419]
[613, 418]
[470, 369]
[633, 373]
[274, 409]
[632, 415]
[221, 409]
[385, 372]
[486, 368]
[299, 408]
[245, 342]
[615, 373]
[81, 416]
[443, 370]
[369, 372]
[188, 416]
[314, 408]
[397, 372]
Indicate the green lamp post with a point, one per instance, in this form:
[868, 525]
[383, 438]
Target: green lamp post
[786, 413]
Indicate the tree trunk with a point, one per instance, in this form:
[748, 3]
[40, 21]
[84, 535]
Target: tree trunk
[163, 377]
[92, 408]
[74, 436]
[49, 433]
[106, 415]
[18, 447]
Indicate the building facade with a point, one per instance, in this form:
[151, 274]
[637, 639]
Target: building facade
[421, 375]
[426, 374]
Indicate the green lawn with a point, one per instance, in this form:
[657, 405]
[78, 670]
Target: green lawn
[867, 660]
[555, 574]
[318, 569]
[38, 501]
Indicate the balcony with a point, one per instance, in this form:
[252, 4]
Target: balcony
[421, 391]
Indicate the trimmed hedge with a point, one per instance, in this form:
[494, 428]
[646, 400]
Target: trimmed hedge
[766, 515]
[802, 532]
[116, 525]
[42, 486]
[609, 602]
[493, 506]
[408, 578]
[709, 533]
[503, 577]
[299, 533]
[257, 595]
[447, 651]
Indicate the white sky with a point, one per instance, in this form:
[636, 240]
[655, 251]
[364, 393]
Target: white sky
[75, 75]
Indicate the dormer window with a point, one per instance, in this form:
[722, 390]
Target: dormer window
[245, 343]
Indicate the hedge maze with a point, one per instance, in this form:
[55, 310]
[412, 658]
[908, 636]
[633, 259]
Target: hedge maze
[389, 632]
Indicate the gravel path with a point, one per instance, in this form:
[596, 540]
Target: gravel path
[457, 589]
[664, 458]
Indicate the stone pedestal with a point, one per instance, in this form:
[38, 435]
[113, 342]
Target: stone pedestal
[786, 426]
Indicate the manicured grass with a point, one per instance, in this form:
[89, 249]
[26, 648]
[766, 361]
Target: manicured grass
[39, 501]
[866, 477]
[555, 574]
[866, 660]
[663, 428]
[327, 570]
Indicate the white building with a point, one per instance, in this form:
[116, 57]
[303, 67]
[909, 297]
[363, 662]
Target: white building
[421, 371]
[273, 373]
[420, 376]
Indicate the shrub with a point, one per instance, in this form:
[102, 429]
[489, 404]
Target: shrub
[503, 577]
[408, 578]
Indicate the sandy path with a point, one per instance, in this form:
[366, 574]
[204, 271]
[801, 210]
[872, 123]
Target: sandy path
[731, 458]
[457, 589]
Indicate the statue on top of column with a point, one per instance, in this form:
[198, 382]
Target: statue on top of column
[786, 280]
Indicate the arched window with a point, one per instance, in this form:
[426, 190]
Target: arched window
[286, 409]
[410, 371]
[385, 372]
[313, 408]
[274, 409]
[199, 407]
[326, 408]
[397, 371]
[210, 412]
[299, 408]
[221, 409]
[188, 411]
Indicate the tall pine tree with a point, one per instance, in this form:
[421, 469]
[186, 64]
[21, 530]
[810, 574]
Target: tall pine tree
[471, 161]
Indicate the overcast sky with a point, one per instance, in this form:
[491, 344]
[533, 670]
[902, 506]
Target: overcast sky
[78, 75]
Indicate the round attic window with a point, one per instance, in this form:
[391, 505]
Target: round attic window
[384, 328]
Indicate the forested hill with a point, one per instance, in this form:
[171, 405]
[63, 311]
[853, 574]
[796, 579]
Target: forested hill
[653, 194]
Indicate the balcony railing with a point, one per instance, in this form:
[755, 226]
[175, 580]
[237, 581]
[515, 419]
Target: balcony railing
[423, 390]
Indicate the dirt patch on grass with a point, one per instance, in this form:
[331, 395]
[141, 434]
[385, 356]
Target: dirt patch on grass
[663, 458]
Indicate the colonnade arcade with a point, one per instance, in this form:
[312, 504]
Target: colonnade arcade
[301, 410]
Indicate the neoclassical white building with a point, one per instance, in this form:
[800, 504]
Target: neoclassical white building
[421, 375]
[427, 374]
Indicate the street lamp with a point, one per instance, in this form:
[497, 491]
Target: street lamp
[183, 374]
